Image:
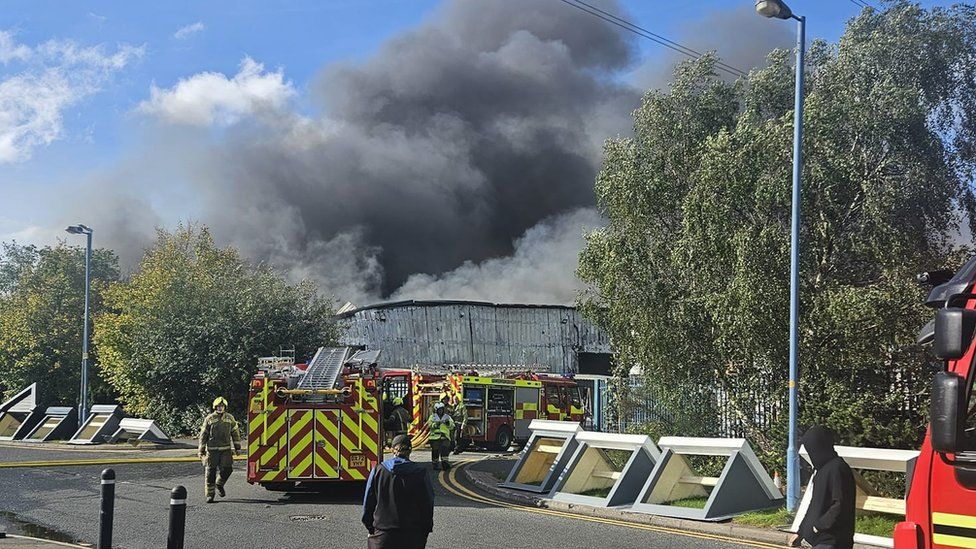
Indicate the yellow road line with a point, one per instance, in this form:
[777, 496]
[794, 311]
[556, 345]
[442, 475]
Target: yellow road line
[102, 461]
[457, 489]
[46, 541]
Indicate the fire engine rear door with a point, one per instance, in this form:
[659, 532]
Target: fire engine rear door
[326, 444]
[300, 443]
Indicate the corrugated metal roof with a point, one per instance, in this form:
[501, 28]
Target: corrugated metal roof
[432, 333]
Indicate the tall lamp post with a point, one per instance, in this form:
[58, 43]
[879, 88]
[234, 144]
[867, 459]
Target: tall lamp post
[83, 406]
[779, 10]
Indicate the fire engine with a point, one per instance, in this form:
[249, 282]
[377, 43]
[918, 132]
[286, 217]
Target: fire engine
[320, 422]
[941, 502]
[497, 406]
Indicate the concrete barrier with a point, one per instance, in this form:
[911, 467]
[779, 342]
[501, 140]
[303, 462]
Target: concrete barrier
[606, 470]
[867, 498]
[100, 425]
[137, 430]
[20, 414]
[743, 486]
[549, 448]
[58, 423]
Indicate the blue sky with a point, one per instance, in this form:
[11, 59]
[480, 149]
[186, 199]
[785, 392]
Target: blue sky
[139, 45]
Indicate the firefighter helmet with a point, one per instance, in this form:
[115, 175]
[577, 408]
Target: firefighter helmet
[438, 406]
[219, 401]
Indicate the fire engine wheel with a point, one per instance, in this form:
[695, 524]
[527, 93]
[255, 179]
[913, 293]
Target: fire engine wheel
[503, 439]
[279, 486]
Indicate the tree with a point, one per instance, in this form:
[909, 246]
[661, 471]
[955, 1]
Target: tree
[691, 275]
[192, 322]
[42, 305]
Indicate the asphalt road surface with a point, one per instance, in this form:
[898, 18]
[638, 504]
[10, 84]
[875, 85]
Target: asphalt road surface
[63, 501]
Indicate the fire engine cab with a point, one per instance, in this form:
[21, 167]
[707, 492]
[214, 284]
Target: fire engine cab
[941, 503]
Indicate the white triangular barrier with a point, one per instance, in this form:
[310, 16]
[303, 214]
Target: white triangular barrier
[20, 414]
[102, 422]
[136, 430]
[606, 470]
[743, 486]
[549, 448]
[58, 423]
[867, 498]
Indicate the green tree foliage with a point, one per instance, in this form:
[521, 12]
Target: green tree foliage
[192, 322]
[691, 276]
[42, 306]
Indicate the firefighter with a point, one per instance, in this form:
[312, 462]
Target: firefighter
[398, 421]
[460, 416]
[441, 428]
[218, 434]
[398, 507]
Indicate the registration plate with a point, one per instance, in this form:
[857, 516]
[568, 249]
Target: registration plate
[357, 460]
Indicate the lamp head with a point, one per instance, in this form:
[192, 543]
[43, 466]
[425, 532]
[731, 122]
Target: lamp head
[78, 229]
[773, 8]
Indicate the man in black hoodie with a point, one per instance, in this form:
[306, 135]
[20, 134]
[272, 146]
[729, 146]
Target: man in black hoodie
[398, 508]
[829, 520]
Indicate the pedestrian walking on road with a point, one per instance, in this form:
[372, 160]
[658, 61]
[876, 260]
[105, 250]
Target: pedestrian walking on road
[220, 439]
[441, 429]
[398, 508]
[829, 520]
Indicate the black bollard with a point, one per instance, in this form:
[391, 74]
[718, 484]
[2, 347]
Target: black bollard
[108, 510]
[177, 518]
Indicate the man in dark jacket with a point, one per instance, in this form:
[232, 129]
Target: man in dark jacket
[398, 508]
[829, 520]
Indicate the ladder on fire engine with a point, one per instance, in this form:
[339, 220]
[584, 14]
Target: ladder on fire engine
[324, 368]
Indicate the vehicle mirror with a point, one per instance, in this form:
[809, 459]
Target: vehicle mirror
[948, 398]
[953, 332]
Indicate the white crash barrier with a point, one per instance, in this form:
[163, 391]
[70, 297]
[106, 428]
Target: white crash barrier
[138, 430]
[550, 446]
[58, 423]
[20, 414]
[102, 422]
[867, 498]
[606, 470]
[743, 486]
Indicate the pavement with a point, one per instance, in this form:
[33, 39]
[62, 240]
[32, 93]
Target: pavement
[60, 502]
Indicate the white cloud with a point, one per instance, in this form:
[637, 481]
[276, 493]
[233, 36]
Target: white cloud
[52, 77]
[10, 50]
[185, 32]
[209, 97]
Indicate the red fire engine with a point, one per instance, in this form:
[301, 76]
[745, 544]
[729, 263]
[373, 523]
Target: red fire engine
[497, 407]
[317, 423]
[941, 507]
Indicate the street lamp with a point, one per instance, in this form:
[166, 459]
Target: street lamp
[779, 10]
[83, 407]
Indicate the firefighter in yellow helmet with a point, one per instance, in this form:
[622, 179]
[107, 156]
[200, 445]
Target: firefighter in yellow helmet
[219, 434]
[441, 428]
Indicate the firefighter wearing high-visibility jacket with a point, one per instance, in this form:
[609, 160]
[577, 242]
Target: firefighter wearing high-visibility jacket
[441, 429]
[218, 435]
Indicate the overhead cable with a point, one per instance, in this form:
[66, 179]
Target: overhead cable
[627, 25]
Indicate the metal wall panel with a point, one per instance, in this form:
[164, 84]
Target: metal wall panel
[432, 333]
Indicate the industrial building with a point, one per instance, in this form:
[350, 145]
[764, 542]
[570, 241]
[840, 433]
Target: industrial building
[553, 338]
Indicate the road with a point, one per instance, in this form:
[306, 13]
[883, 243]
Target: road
[64, 501]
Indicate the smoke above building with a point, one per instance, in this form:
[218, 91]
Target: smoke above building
[457, 161]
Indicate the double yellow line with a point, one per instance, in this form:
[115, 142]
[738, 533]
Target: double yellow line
[102, 461]
[451, 484]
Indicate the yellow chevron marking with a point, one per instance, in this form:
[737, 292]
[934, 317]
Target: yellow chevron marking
[954, 541]
[350, 445]
[947, 519]
[325, 420]
[297, 446]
